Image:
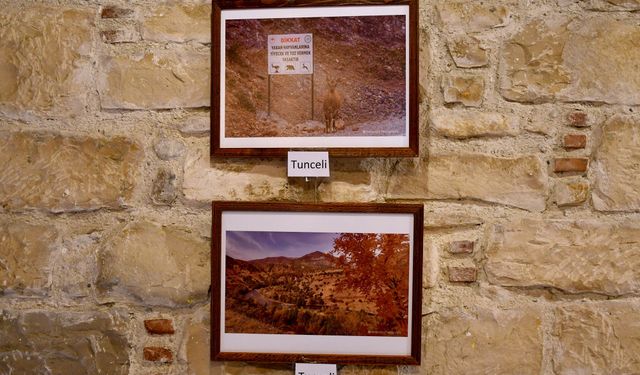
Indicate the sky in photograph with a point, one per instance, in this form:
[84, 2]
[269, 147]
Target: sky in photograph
[247, 245]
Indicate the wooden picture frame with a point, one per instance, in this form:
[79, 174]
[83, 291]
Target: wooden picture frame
[349, 86]
[331, 283]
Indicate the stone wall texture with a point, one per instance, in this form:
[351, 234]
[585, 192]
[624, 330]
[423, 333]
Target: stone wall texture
[528, 172]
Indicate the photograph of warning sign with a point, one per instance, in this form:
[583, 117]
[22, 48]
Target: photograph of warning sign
[341, 78]
[290, 54]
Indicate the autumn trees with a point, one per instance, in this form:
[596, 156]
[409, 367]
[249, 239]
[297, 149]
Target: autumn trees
[377, 265]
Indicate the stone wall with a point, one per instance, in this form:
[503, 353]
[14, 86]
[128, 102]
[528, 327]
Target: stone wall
[529, 164]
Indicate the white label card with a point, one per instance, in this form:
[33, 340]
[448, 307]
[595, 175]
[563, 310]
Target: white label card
[315, 369]
[308, 164]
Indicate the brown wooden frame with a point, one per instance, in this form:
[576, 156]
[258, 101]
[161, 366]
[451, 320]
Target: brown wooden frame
[417, 210]
[413, 132]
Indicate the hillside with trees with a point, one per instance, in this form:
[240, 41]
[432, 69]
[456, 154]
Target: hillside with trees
[358, 288]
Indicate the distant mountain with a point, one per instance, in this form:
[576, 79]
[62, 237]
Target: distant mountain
[272, 260]
[240, 264]
[316, 261]
[319, 258]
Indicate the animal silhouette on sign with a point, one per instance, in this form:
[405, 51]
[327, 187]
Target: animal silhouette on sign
[291, 67]
[275, 67]
[304, 66]
[331, 105]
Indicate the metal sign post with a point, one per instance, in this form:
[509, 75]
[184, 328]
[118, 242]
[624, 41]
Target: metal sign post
[289, 54]
[312, 77]
[269, 96]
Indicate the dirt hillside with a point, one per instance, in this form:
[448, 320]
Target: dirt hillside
[366, 55]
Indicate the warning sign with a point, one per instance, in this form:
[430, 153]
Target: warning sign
[290, 54]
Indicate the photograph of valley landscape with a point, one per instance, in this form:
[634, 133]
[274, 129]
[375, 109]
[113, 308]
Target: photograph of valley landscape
[359, 81]
[351, 284]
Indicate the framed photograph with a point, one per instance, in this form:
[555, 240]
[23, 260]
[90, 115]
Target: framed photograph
[300, 74]
[332, 283]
